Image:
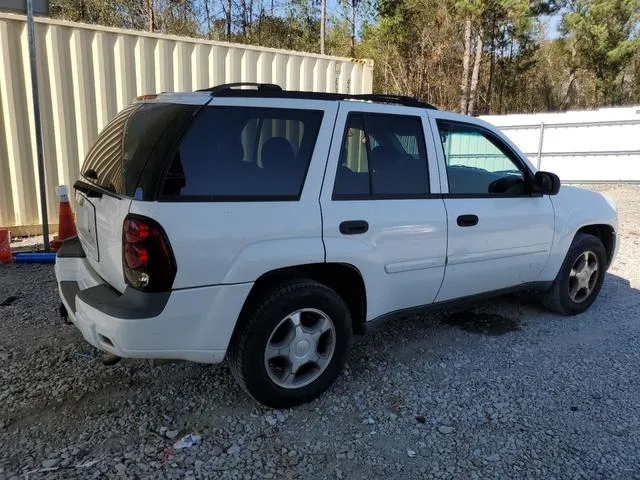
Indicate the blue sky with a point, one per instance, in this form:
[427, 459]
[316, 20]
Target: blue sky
[552, 26]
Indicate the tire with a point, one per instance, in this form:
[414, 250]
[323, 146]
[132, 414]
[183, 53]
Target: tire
[559, 298]
[271, 322]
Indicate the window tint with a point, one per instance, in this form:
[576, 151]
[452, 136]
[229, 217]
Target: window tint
[244, 153]
[477, 163]
[121, 151]
[352, 177]
[409, 143]
[382, 156]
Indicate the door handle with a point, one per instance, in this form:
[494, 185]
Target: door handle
[354, 227]
[467, 220]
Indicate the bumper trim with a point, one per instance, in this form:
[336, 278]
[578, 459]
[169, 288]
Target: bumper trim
[132, 304]
[69, 289]
[71, 248]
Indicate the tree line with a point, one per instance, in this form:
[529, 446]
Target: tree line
[473, 56]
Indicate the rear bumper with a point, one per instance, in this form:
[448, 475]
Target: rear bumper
[193, 324]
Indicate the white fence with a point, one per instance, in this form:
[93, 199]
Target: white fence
[582, 146]
[86, 74]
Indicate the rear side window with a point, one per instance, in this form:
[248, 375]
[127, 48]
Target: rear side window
[244, 153]
[382, 157]
[119, 156]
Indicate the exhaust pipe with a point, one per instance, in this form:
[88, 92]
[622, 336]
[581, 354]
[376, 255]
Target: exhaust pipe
[109, 359]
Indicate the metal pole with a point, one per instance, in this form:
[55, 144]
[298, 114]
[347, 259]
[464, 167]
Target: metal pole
[540, 142]
[37, 124]
[323, 22]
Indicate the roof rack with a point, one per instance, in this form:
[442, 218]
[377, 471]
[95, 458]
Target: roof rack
[259, 87]
[270, 90]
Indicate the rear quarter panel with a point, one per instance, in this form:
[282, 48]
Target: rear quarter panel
[222, 243]
[236, 242]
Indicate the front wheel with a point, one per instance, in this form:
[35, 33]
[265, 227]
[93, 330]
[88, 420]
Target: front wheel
[580, 277]
[293, 344]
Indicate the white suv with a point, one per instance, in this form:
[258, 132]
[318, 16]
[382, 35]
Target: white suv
[267, 227]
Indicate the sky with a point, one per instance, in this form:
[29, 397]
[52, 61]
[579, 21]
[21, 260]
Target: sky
[552, 26]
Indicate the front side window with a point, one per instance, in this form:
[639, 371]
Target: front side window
[244, 153]
[477, 163]
[382, 156]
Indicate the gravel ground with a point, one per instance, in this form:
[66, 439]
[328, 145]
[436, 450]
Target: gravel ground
[505, 390]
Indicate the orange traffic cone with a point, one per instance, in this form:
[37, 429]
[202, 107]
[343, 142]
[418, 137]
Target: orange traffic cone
[5, 248]
[66, 225]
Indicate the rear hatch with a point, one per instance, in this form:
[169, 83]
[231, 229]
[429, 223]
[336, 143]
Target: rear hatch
[125, 164]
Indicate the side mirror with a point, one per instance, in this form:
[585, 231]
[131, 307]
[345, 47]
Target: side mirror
[546, 182]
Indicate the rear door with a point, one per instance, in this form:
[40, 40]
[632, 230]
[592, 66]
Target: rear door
[380, 205]
[499, 234]
[122, 165]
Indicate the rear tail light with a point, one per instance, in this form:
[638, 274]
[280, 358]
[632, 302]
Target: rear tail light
[147, 260]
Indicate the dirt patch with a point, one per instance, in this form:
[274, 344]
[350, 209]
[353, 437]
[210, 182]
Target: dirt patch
[8, 301]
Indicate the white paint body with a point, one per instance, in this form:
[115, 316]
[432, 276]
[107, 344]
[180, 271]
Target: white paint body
[401, 257]
[413, 254]
[509, 246]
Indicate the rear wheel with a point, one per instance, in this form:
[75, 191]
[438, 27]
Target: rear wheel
[293, 344]
[580, 277]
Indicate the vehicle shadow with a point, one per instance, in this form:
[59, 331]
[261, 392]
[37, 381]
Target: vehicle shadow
[433, 334]
[513, 314]
[206, 391]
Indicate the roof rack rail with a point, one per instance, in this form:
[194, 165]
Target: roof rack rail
[269, 90]
[260, 87]
[385, 98]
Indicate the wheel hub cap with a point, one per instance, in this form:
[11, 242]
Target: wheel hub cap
[300, 348]
[583, 276]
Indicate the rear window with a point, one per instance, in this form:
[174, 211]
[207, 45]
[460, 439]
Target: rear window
[121, 151]
[244, 153]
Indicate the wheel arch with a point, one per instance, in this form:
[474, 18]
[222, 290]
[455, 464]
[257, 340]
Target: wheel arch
[559, 298]
[605, 233]
[345, 279]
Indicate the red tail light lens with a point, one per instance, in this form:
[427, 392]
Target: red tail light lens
[135, 257]
[147, 259]
[135, 231]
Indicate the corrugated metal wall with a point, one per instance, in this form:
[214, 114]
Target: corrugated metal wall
[580, 146]
[86, 74]
[474, 150]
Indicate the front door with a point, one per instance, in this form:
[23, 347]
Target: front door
[380, 205]
[499, 234]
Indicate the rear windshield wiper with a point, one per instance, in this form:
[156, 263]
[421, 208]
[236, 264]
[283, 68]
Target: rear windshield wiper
[93, 191]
